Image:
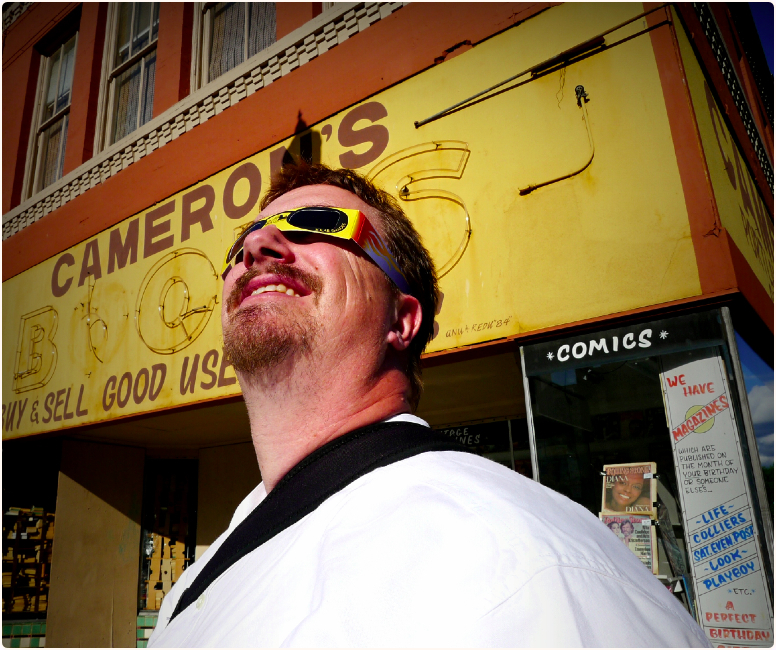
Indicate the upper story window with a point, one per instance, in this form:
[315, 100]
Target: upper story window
[230, 33]
[52, 115]
[129, 70]
[134, 67]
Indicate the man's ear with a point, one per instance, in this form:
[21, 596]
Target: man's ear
[408, 316]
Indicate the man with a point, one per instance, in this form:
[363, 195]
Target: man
[367, 529]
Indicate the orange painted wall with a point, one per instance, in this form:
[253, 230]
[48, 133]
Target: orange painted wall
[173, 55]
[715, 268]
[727, 105]
[290, 15]
[721, 266]
[32, 26]
[19, 83]
[749, 285]
[393, 49]
[86, 85]
[748, 85]
[20, 76]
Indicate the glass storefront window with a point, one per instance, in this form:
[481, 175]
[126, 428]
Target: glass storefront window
[505, 442]
[169, 522]
[758, 377]
[662, 398]
[593, 416]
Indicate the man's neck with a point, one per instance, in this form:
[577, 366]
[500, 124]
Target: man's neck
[297, 409]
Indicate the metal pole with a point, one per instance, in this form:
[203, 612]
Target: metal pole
[529, 417]
[751, 439]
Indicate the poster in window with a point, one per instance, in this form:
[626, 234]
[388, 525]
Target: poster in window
[629, 488]
[637, 533]
[727, 559]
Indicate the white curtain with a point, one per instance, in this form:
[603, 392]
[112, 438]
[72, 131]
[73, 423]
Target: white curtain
[52, 159]
[227, 33]
[261, 26]
[134, 88]
[127, 101]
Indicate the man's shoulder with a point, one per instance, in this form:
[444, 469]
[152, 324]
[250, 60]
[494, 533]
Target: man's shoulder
[470, 482]
[464, 494]
[504, 533]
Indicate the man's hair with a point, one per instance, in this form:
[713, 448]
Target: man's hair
[400, 235]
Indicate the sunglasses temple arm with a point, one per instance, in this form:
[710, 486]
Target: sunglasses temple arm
[397, 278]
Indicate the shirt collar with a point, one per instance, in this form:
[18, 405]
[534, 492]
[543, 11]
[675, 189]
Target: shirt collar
[258, 494]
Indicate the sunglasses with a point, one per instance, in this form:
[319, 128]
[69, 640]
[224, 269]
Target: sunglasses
[339, 223]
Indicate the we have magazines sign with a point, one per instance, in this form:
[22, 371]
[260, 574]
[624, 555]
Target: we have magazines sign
[721, 533]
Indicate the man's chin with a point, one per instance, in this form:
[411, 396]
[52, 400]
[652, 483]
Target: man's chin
[258, 339]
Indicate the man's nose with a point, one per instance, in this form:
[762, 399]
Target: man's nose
[267, 243]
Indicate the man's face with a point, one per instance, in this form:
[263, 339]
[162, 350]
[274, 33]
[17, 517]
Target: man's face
[294, 294]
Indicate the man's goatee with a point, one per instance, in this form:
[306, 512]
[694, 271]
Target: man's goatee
[262, 335]
[259, 337]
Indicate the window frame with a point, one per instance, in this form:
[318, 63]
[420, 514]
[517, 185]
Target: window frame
[200, 43]
[110, 74]
[32, 172]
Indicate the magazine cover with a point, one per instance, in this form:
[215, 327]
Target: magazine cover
[638, 534]
[629, 488]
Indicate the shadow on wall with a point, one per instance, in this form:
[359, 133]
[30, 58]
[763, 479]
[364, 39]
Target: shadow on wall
[306, 142]
[96, 546]
[109, 474]
[227, 474]
[30, 472]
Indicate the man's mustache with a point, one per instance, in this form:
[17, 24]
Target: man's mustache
[312, 282]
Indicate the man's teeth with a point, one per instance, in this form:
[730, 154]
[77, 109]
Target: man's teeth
[277, 288]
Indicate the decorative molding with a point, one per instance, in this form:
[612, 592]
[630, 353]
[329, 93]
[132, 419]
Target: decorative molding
[712, 34]
[12, 11]
[329, 29]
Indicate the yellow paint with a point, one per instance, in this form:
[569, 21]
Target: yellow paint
[611, 238]
[702, 428]
[741, 209]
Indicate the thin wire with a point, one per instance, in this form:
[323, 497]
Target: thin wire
[538, 66]
[530, 188]
[562, 85]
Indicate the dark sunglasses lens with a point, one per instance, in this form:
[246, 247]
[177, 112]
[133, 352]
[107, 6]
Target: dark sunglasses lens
[319, 219]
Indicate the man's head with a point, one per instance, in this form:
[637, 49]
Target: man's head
[339, 286]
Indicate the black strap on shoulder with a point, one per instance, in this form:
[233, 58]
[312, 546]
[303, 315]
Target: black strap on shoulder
[313, 480]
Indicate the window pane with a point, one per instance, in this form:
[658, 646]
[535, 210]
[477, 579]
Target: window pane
[588, 417]
[505, 442]
[261, 26]
[155, 23]
[66, 78]
[127, 101]
[53, 152]
[227, 41]
[122, 36]
[51, 88]
[148, 88]
[758, 379]
[142, 30]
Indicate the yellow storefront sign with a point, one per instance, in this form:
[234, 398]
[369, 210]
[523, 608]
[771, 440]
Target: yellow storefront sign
[538, 209]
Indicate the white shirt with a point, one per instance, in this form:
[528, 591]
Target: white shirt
[440, 549]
